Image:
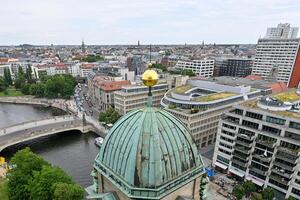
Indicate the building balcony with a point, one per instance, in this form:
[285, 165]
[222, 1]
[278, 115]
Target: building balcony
[238, 155]
[231, 120]
[286, 157]
[283, 166]
[279, 179]
[281, 172]
[258, 171]
[267, 143]
[289, 151]
[246, 137]
[246, 144]
[238, 162]
[263, 158]
[242, 149]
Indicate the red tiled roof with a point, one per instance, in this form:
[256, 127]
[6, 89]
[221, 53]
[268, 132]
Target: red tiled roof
[6, 60]
[278, 87]
[254, 77]
[60, 66]
[113, 85]
[88, 66]
[39, 66]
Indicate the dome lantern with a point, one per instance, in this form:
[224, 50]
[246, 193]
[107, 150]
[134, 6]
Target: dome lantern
[150, 79]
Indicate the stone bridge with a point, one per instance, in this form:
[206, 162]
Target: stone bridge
[34, 129]
[66, 105]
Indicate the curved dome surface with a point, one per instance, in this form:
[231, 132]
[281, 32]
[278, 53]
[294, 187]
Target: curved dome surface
[148, 147]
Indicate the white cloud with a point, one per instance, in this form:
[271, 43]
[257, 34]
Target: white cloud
[156, 21]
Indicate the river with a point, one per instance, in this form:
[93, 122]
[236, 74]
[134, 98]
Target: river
[72, 150]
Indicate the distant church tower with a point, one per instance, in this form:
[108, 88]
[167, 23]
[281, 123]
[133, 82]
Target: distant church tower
[83, 47]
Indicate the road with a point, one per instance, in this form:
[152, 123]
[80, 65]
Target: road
[85, 105]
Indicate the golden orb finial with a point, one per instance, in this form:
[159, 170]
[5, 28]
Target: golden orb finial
[150, 77]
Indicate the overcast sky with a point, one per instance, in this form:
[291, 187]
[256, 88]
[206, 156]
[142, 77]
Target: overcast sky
[155, 21]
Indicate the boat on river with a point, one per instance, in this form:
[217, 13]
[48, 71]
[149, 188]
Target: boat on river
[99, 141]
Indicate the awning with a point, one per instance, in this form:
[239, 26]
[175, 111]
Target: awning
[221, 165]
[255, 180]
[237, 172]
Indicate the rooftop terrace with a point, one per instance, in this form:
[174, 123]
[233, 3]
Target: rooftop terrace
[288, 96]
[214, 97]
[182, 89]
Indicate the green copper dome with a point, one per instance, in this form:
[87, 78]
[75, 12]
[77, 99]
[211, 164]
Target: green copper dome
[148, 148]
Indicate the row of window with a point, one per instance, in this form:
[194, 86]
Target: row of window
[269, 119]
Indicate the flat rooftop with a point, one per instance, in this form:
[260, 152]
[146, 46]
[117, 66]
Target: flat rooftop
[290, 96]
[215, 96]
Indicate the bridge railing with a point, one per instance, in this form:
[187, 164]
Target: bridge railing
[34, 123]
[38, 133]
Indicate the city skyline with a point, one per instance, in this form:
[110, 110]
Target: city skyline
[159, 22]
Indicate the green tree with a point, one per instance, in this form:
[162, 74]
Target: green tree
[2, 85]
[238, 191]
[185, 72]
[28, 74]
[159, 66]
[32, 178]
[40, 90]
[291, 198]
[249, 187]
[60, 86]
[268, 193]
[92, 58]
[110, 116]
[24, 163]
[7, 77]
[65, 191]
[26, 89]
[257, 196]
[42, 185]
[20, 79]
[33, 88]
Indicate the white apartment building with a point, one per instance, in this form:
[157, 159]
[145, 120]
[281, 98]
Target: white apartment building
[203, 68]
[74, 69]
[259, 140]
[134, 97]
[282, 31]
[282, 54]
[200, 104]
[85, 69]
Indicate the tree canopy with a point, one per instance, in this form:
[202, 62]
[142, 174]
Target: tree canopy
[2, 85]
[291, 198]
[33, 178]
[109, 117]
[268, 194]
[43, 184]
[186, 72]
[65, 191]
[57, 86]
[7, 77]
[238, 191]
[249, 187]
[92, 58]
[20, 78]
[159, 66]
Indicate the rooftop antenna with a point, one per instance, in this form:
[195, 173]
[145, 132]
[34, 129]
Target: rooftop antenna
[150, 52]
